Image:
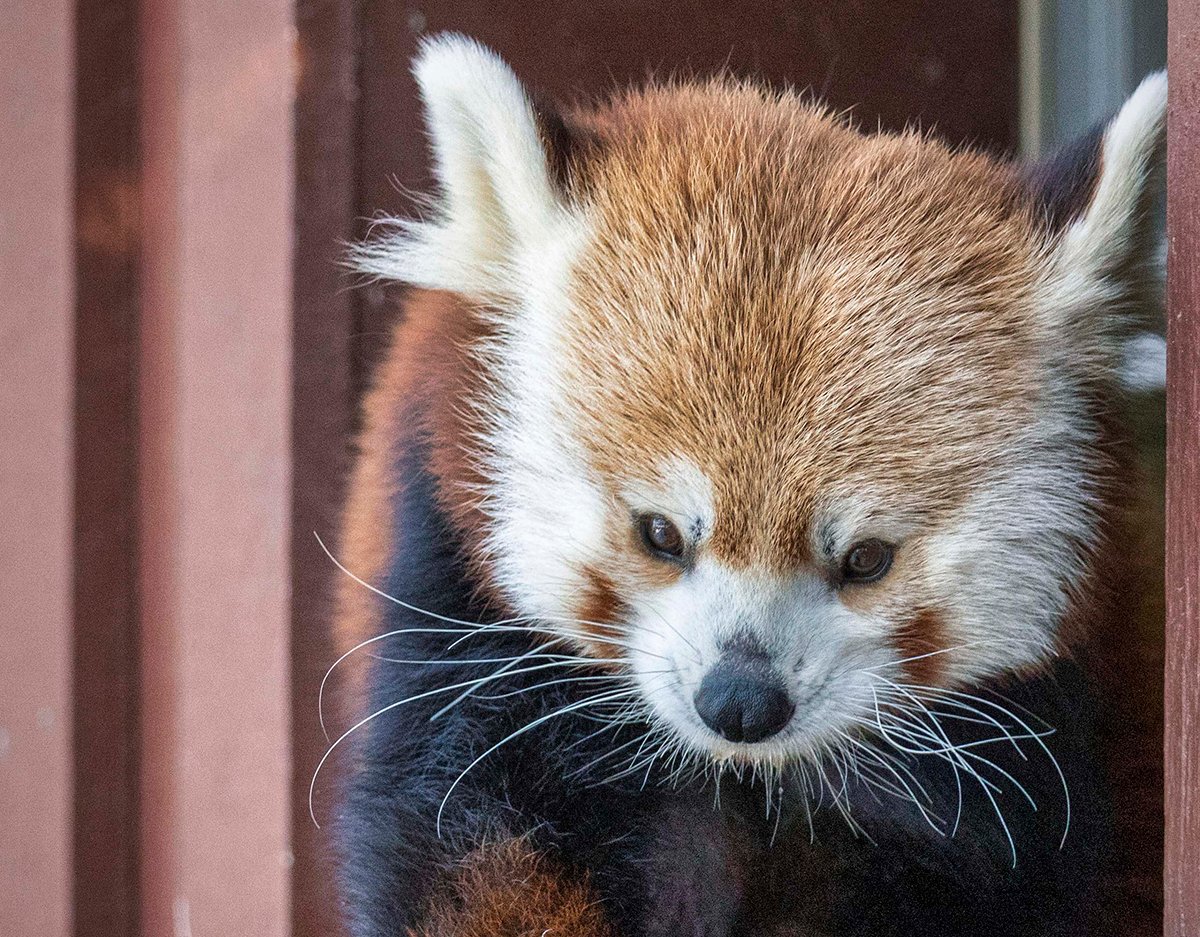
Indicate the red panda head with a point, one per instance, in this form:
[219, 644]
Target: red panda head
[771, 412]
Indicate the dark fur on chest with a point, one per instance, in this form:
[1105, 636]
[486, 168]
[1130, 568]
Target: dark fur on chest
[685, 858]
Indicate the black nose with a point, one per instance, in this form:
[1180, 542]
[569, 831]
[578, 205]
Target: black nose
[743, 701]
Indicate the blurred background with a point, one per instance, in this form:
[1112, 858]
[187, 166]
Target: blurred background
[181, 360]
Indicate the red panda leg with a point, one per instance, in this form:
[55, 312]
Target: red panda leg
[506, 889]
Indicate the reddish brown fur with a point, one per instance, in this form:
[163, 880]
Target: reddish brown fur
[753, 243]
[601, 611]
[507, 890]
[420, 384]
[918, 642]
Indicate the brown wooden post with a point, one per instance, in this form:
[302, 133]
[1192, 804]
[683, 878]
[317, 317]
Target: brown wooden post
[107, 314]
[1182, 743]
[36, 382]
[323, 412]
[215, 467]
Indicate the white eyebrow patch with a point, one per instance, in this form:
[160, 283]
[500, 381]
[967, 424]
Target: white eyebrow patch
[677, 489]
[841, 521]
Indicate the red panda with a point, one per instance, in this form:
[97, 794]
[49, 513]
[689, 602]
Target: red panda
[734, 511]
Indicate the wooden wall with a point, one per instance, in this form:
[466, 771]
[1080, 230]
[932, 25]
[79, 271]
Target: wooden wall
[214, 467]
[36, 387]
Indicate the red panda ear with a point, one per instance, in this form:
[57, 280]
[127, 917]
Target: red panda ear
[1096, 194]
[497, 161]
[1096, 198]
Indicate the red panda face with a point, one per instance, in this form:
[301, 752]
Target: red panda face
[805, 365]
[777, 416]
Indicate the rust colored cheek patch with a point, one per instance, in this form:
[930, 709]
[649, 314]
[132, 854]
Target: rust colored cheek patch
[602, 613]
[918, 642]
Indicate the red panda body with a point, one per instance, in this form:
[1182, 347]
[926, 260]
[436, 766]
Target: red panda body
[740, 495]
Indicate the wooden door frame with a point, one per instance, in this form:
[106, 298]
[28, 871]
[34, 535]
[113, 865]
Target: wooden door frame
[1181, 748]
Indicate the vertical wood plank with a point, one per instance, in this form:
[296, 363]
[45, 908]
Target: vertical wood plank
[1182, 737]
[36, 382]
[215, 480]
[323, 412]
[107, 233]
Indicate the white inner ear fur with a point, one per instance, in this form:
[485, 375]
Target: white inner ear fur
[501, 234]
[1099, 238]
[498, 207]
[1081, 291]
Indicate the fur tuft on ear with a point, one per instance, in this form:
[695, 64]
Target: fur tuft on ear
[498, 200]
[1096, 196]
[1108, 228]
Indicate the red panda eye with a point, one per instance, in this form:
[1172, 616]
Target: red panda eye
[867, 561]
[661, 536]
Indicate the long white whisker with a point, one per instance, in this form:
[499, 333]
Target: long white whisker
[521, 623]
[587, 678]
[362, 644]
[990, 642]
[923, 710]
[579, 772]
[961, 755]
[394, 705]
[932, 819]
[1039, 741]
[912, 692]
[391, 598]
[472, 688]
